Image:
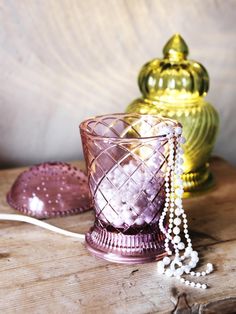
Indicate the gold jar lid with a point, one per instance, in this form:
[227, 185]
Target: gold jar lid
[173, 78]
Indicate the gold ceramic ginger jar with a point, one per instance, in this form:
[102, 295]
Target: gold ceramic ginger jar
[175, 87]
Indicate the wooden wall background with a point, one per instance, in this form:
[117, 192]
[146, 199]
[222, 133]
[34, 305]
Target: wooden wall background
[64, 60]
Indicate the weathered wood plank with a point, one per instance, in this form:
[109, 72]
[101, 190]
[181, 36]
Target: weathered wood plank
[41, 272]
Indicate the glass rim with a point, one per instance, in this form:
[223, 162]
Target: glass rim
[83, 126]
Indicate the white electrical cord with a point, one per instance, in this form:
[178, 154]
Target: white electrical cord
[41, 224]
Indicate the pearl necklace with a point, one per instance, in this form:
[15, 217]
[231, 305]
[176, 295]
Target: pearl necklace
[189, 259]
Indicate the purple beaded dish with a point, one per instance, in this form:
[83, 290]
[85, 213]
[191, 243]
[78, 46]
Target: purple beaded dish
[49, 190]
[126, 157]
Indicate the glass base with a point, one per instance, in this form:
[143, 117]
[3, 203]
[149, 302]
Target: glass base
[126, 249]
[197, 182]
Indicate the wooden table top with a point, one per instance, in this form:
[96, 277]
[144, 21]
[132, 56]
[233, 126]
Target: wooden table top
[43, 272]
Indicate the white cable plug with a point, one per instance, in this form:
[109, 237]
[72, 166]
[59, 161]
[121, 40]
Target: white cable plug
[41, 224]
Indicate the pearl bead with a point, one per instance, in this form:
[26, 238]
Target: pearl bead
[209, 266]
[192, 264]
[178, 130]
[181, 245]
[192, 284]
[179, 192]
[188, 250]
[195, 260]
[182, 280]
[177, 212]
[166, 260]
[176, 230]
[178, 201]
[179, 171]
[179, 272]
[177, 239]
[177, 221]
[198, 274]
[180, 161]
[187, 282]
[182, 140]
[204, 286]
[192, 273]
[203, 273]
[194, 253]
[198, 285]
[181, 150]
[179, 182]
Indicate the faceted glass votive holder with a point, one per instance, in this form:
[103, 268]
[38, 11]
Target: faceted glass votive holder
[126, 157]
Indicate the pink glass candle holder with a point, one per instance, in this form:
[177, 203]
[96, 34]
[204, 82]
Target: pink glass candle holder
[126, 157]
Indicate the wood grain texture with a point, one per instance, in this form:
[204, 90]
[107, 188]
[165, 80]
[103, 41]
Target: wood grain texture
[41, 272]
[64, 60]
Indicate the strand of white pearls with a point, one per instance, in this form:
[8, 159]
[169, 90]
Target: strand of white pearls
[177, 217]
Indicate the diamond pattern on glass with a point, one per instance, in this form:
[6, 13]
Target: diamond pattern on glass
[128, 158]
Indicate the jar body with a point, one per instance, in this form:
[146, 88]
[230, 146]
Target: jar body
[200, 124]
[126, 162]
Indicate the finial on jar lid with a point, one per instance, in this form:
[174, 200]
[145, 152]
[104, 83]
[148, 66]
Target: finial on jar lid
[176, 48]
